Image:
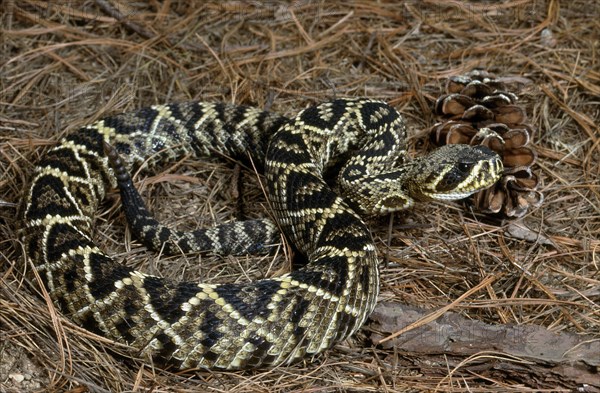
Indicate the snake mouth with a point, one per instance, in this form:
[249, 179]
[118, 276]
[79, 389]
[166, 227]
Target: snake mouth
[482, 176]
[451, 196]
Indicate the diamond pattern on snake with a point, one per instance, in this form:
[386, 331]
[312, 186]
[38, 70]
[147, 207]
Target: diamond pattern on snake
[263, 323]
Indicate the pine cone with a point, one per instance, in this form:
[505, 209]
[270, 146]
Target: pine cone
[479, 98]
[478, 110]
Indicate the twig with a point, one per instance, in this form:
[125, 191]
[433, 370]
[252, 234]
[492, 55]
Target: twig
[115, 13]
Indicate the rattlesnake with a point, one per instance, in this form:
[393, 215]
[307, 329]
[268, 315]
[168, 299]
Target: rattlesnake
[237, 326]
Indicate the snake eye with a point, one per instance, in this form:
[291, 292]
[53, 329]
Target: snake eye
[464, 167]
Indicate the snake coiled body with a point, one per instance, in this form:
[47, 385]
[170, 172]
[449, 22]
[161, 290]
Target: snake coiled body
[236, 326]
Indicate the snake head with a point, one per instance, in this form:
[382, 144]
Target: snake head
[455, 172]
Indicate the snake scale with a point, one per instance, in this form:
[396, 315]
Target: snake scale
[263, 323]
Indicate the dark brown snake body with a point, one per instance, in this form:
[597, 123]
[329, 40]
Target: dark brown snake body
[244, 325]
